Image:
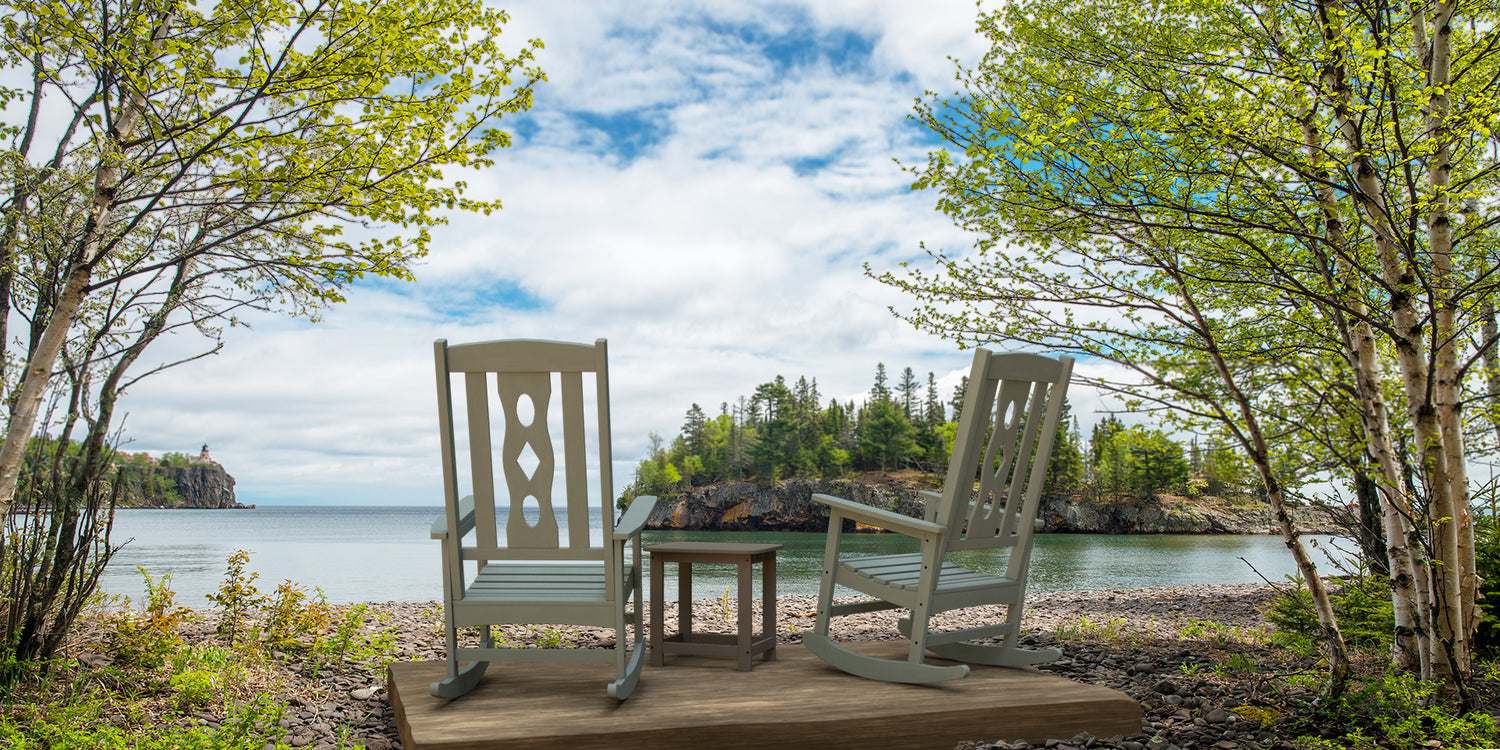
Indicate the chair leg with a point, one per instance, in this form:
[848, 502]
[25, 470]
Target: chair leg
[830, 566]
[459, 681]
[621, 688]
[860, 665]
[628, 663]
[917, 635]
[1004, 654]
[873, 668]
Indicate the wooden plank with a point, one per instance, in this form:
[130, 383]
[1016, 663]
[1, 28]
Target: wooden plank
[536, 387]
[726, 548]
[575, 467]
[795, 701]
[1024, 366]
[481, 468]
[521, 355]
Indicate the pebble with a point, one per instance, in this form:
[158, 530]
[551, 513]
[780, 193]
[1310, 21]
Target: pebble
[1182, 699]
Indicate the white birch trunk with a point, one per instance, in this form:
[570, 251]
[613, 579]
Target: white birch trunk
[80, 269]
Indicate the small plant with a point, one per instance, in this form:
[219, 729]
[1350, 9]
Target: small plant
[292, 615]
[1109, 630]
[194, 689]
[147, 637]
[1236, 664]
[350, 642]
[237, 597]
[1188, 669]
[724, 605]
[547, 638]
[1217, 633]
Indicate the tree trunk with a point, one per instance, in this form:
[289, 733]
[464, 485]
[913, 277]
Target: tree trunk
[80, 269]
[1491, 347]
[1406, 573]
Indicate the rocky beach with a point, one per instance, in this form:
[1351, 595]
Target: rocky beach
[1199, 659]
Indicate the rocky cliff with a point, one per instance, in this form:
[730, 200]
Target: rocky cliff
[788, 506]
[1172, 515]
[198, 485]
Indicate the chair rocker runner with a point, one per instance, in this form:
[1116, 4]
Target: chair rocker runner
[539, 574]
[1021, 395]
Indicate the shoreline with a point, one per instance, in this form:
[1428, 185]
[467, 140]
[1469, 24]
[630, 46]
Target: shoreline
[1153, 643]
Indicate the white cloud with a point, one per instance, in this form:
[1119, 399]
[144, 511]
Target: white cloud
[727, 252]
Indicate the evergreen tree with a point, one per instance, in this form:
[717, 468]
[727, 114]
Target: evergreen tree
[695, 430]
[958, 398]
[886, 435]
[932, 412]
[879, 392]
[1065, 465]
[908, 390]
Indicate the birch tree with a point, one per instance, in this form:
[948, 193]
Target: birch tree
[1229, 199]
[262, 129]
[169, 165]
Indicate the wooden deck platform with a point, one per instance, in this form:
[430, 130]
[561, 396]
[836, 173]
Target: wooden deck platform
[796, 701]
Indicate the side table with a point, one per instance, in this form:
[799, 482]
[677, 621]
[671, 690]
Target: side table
[741, 645]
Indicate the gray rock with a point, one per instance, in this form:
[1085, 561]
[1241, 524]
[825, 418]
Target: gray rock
[1217, 716]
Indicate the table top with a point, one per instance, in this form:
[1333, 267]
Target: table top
[712, 548]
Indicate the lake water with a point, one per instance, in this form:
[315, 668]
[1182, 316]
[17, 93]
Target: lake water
[385, 554]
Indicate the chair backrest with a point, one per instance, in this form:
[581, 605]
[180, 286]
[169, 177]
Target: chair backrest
[1014, 400]
[524, 374]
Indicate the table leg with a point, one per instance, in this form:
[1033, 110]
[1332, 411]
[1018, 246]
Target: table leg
[685, 601]
[658, 609]
[746, 626]
[768, 603]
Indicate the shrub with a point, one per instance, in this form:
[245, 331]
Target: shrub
[1400, 710]
[146, 637]
[195, 688]
[237, 596]
[1362, 609]
[1487, 563]
[291, 615]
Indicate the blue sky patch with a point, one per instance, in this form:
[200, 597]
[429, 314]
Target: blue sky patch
[631, 134]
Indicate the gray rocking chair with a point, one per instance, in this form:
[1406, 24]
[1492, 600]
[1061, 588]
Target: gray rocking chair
[1000, 515]
[538, 575]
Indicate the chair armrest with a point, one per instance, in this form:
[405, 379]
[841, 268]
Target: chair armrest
[881, 518]
[635, 517]
[930, 508]
[465, 520]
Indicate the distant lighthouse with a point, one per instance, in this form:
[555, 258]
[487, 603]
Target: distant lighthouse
[203, 457]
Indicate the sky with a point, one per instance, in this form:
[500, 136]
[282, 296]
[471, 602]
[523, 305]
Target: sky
[700, 183]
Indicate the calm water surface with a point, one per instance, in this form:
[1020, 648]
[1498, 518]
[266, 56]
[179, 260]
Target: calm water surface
[385, 554]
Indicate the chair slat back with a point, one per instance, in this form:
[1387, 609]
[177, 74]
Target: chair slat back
[517, 373]
[1005, 436]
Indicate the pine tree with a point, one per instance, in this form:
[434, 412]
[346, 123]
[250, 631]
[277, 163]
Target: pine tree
[879, 392]
[908, 390]
[958, 398]
[695, 430]
[932, 412]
